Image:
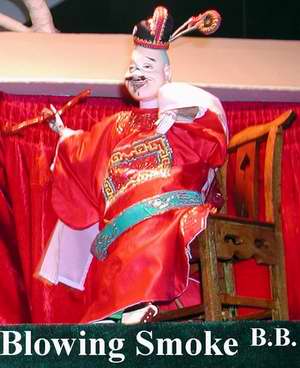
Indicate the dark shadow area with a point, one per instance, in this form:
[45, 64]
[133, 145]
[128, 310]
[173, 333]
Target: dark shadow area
[241, 18]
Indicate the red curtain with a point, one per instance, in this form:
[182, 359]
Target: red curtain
[27, 218]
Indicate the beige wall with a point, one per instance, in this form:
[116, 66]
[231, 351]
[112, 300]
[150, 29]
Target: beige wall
[234, 69]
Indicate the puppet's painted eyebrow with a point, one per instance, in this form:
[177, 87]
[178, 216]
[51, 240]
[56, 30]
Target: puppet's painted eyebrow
[150, 58]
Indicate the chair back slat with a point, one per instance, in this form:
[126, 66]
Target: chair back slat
[276, 187]
[222, 180]
[245, 145]
[268, 174]
[245, 193]
[257, 131]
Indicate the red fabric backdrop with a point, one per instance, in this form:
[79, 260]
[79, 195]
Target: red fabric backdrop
[27, 218]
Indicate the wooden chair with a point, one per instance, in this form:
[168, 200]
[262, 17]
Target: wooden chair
[229, 239]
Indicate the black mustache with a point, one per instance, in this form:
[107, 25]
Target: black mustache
[133, 78]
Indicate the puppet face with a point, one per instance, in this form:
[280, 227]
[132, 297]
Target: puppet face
[148, 70]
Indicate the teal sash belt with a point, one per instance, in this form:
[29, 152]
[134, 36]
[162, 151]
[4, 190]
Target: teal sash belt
[139, 212]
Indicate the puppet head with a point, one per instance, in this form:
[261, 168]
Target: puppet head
[149, 68]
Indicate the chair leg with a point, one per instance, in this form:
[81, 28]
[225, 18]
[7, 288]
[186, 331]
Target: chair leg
[278, 282]
[229, 286]
[209, 275]
[279, 292]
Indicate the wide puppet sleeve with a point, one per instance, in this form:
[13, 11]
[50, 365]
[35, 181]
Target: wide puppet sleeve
[205, 137]
[210, 128]
[206, 134]
[78, 174]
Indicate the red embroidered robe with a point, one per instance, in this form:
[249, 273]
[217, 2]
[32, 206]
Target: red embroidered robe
[120, 162]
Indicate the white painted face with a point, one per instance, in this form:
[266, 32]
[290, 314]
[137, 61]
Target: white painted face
[149, 69]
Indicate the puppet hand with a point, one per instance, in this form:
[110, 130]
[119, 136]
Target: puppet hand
[182, 115]
[165, 121]
[57, 125]
[64, 133]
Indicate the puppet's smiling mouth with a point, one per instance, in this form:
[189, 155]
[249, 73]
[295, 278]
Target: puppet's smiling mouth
[137, 82]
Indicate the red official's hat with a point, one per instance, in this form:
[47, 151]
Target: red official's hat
[156, 32]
